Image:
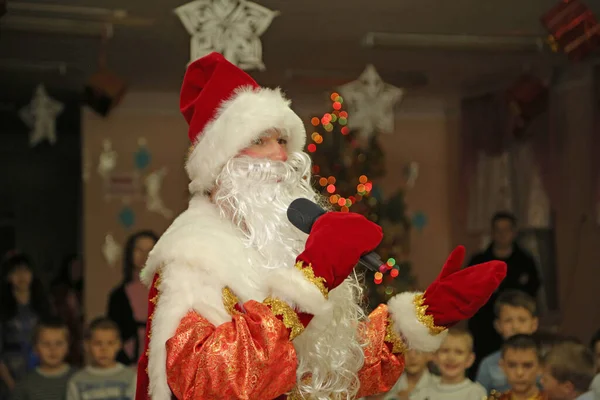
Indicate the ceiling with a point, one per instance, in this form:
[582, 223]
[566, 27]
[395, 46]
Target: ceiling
[308, 35]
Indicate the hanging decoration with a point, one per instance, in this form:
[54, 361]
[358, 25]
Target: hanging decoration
[127, 217]
[154, 200]
[230, 27]
[107, 161]
[111, 250]
[142, 155]
[419, 220]
[573, 29]
[371, 102]
[40, 116]
[411, 173]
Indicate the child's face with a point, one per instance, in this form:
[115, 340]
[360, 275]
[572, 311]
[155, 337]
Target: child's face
[416, 362]
[103, 346]
[52, 347]
[515, 320]
[554, 389]
[454, 357]
[521, 367]
[20, 278]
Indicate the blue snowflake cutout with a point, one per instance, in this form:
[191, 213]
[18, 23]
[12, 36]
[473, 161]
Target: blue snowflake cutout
[142, 156]
[419, 220]
[127, 217]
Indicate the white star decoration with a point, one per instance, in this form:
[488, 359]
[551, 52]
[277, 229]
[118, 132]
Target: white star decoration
[370, 102]
[229, 27]
[40, 115]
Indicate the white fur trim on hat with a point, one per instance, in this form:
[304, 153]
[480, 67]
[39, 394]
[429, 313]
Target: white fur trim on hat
[239, 120]
[404, 314]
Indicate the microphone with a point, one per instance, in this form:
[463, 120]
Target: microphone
[303, 213]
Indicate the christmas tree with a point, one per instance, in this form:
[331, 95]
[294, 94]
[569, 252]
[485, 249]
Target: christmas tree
[346, 172]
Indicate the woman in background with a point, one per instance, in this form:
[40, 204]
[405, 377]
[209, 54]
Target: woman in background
[127, 305]
[23, 302]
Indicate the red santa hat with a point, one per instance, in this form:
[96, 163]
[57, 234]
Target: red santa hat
[226, 110]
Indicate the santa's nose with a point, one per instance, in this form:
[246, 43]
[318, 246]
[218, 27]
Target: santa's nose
[276, 151]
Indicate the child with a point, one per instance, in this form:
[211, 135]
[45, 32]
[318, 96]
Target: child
[416, 376]
[568, 371]
[49, 380]
[453, 358]
[23, 302]
[516, 312]
[104, 378]
[521, 365]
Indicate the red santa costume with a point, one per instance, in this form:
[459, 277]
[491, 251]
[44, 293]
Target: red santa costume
[245, 306]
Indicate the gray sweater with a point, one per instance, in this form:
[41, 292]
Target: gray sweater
[38, 385]
[117, 383]
[466, 390]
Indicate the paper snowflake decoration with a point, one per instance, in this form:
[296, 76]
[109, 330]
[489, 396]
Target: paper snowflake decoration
[230, 27]
[40, 116]
[370, 101]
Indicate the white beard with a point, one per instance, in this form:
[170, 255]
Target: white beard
[255, 194]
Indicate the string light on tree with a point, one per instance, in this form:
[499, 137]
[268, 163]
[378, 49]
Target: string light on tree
[333, 123]
[339, 166]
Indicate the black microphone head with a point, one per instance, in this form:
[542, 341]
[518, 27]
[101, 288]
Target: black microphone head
[303, 213]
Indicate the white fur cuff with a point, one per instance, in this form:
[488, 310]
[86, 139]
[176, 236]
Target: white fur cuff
[403, 311]
[290, 285]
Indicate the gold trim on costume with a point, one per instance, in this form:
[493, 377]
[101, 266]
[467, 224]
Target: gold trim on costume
[309, 274]
[393, 338]
[229, 301]
[423, 317]
[290, 318]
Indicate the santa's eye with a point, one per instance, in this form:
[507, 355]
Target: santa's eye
[257, 142]
[282, 141]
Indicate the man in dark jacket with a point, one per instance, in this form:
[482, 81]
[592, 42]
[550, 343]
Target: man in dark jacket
[522, 274]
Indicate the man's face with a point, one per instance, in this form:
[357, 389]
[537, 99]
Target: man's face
[521, 367]
[52, 346]
[272, 146]
[503, 233]
[416, 362]
[515, 320]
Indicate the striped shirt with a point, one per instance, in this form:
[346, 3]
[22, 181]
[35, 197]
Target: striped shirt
[116, 383]
[38, 385]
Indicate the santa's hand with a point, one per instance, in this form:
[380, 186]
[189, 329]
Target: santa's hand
[335, 244]
[455, 295]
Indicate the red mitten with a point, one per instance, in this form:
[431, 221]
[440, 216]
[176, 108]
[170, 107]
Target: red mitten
[336, 242]
[458, 294]
[455, 295]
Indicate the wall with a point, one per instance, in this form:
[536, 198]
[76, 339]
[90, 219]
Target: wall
[421, 135]
[149, 116]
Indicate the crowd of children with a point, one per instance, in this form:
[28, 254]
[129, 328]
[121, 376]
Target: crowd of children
[529, 366]
[103, 377]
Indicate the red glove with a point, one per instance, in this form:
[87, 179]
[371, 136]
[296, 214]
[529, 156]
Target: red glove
[457, 294]
[336, 242]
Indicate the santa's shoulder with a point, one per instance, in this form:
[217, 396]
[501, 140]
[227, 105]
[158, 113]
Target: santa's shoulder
[199, 236]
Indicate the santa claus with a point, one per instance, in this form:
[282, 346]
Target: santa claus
[245, 306]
